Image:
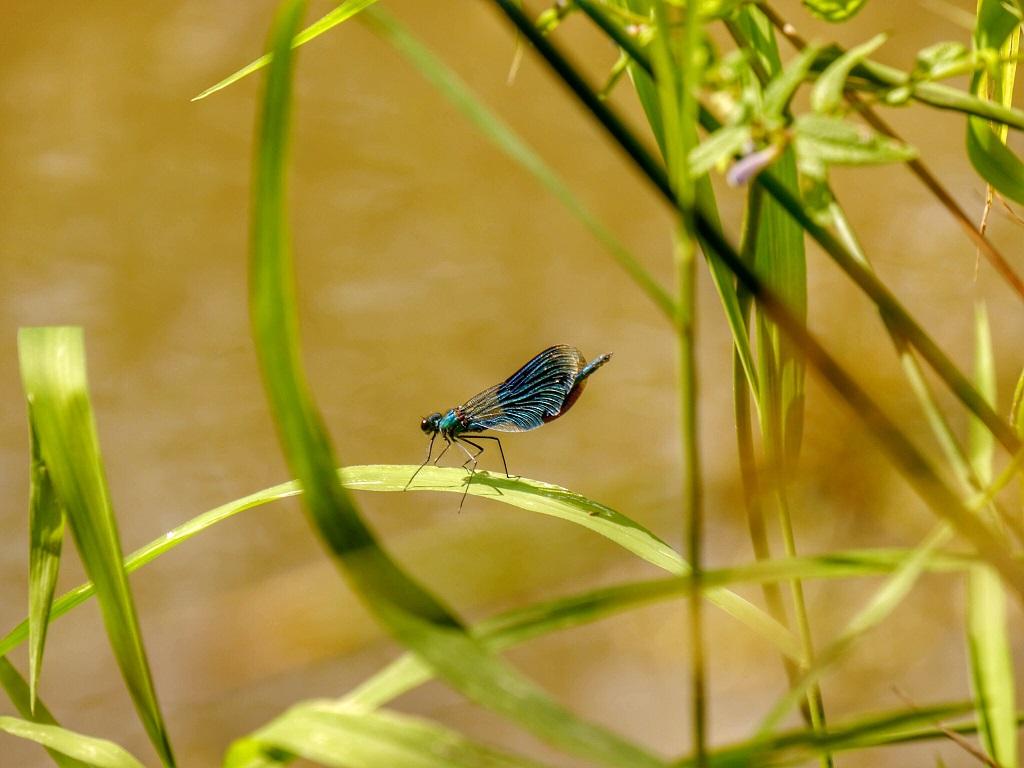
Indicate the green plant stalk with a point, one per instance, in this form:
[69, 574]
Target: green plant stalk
[676, 89]
[888, 305]
[912, 464]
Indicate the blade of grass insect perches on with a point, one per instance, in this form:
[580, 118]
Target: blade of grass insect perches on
[455, 90]
[341, 13]
[54, 377]
[91, 751]
[911, 463]
[406, 609]
[988, 638]
[889, 307]
[46, 535]
[529, 495]
[337, 738]
[32, 709]
[916, 165]
[678, 69]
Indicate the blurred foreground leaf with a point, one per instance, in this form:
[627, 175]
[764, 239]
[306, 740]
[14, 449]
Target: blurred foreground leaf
[54, 377]
[89, 750]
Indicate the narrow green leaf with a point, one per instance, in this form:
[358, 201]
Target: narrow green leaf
[827, 93]
[46, 535]
[823, 140]
[343, 12]
[91, 751]
[834, 10]
[944, 59]
[455, 90]
[404, 607]
[54, 378]
[34, 710]
[341, 738]
[988, 638]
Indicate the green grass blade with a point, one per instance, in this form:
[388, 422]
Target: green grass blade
[453, 88]
[32, 709]
[343, 12]
[340, 738]
[530, 495]
[99, 753]
[53, 374]
[46, 535]
[407, 610]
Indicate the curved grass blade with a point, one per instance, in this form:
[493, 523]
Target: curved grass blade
[32, 709]
[53, 374]
[530, 495]
[341, 738]
[46, 535]
[99, 753]
[407, 610]
[341, 13]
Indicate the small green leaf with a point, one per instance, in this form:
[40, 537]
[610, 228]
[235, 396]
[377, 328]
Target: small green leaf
[54, 377]
[718, 148]
[827, 93]
[825, 141]
[942, 60]
[782, 87]
[46, 535]
[834, 10]
[99, 753]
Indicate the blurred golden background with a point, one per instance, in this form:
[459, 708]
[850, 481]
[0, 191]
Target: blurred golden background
[431, 266]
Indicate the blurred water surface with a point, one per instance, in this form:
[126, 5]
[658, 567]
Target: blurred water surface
[430, 266]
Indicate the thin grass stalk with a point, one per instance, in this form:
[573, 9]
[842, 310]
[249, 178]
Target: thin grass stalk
[676, 89]
[906, 457]
[916, 165]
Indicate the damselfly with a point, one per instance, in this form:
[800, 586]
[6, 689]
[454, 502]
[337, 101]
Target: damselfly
[539, 392]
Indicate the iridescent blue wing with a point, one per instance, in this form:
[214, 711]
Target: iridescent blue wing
[529, 397]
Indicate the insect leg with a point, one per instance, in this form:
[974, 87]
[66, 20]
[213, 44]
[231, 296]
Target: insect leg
[500, 449]
[443, 450]
[459, 441]
[430, 449]
[479, 449]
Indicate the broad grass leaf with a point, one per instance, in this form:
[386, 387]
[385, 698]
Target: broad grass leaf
[404, 607]
[46, 535]
[54, 377]
[91, 751]
[32, 709]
